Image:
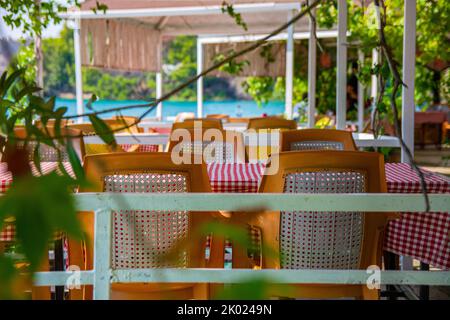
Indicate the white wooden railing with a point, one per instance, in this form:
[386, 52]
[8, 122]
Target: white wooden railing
[104, 203]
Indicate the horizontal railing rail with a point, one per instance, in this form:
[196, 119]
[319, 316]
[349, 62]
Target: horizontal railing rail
[105, 203]
[364, 202]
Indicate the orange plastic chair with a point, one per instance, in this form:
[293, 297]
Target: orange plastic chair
[51, 122]
[148, 172]
[220, 116]
[302, 239]
[266, 126]
[238, 120]
[129, 120]
[205, 123]
[271, 123]
[180, 117]
[47, 153]
[317, 139]
[113, 124]
[208, 145]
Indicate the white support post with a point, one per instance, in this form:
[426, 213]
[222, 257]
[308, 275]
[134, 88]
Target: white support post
[374, 78]
[409, 60]
[408, 104]
[159, 85]
[312, 69]
[289, 67]
[360, 95]
[102, 254]
[78, 74]
[159, 73]
[200, 80]
[341, 76]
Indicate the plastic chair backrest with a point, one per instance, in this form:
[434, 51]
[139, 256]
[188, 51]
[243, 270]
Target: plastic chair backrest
[145, 239]
[317, 139]
[208, 144]
[271, 123]
[48, 153]
[306, 239]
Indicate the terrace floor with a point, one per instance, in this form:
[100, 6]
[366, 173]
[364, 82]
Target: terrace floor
[434, 160]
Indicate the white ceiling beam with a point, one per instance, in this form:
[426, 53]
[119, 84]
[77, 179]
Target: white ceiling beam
[179, 11]
[280, 36]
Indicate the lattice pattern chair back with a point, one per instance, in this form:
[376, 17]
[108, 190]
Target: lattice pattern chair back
[322, 240]
[315, 240]
[143, 239]
[205, 123]
[317, 139]
[146, 239]
[48, 153]
[117, 124]
[271, 123]
[209, 145]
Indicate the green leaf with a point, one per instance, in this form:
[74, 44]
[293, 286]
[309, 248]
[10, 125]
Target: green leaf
[91, 100]
[255, 289]
[37, 157]
[61, 111]
[75, 161]
[10, 80]
[102, 129]
[7, 276]
[41, 206]
[26, 91]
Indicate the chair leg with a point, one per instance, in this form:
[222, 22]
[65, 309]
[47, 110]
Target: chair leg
[42, 293]
[59, 265]
[391, 262]
[424, 291]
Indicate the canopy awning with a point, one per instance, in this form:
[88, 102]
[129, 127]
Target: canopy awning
[129, 35]
[197, 17]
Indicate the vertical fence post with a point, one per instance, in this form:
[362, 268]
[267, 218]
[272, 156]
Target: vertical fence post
[312, 70]
[341, 74]
[78, 71]
[409, 63]
[102, 254]
[199, 80]
[361, 89]
[159, 91]
[289, 67]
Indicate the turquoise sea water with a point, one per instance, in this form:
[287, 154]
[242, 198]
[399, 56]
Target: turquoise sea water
[172, 108]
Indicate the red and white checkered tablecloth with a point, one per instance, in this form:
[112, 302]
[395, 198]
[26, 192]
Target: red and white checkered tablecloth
[235, 177]
[425, 236]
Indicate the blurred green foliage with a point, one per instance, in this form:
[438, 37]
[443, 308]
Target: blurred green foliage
[39, 206]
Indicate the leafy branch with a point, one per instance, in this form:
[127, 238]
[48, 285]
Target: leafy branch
[397, 82]
[229, 9]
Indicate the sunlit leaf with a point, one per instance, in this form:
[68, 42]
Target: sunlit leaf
[75, 161]
[6, 85]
